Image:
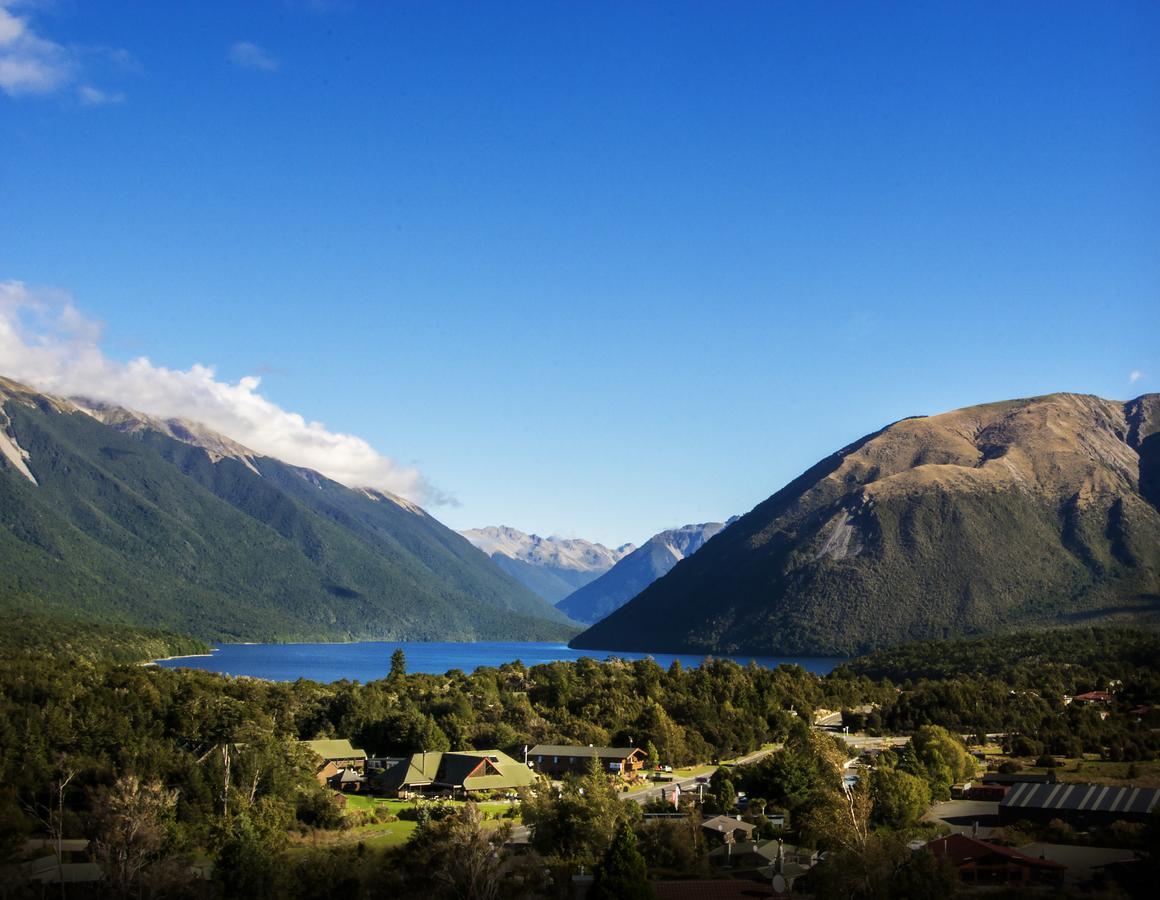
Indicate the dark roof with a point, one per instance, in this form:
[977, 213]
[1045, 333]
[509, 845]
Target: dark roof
[583, 752]
[1103, 798]
[960, 849]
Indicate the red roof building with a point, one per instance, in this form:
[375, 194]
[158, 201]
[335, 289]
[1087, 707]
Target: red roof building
[982, 863]
[1093, 697]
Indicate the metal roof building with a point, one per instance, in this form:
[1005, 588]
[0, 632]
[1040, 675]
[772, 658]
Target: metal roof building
[1077, 804]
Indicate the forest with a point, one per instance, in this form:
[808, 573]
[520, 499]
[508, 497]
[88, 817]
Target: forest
[212, 764]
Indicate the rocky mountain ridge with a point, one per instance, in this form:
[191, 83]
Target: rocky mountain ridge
[552, 567]
[1043, 511]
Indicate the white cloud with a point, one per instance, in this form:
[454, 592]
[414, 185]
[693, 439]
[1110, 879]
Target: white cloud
[31, 64]
[46, 342]
[1135, 376]
[251, 56]
[91, 96]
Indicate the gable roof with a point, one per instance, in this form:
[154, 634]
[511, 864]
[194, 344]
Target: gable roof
[583, 752]
[472, 770]
[1103, 696]
[336, 749]
[960, 849]
[416, 770]
[727, 823]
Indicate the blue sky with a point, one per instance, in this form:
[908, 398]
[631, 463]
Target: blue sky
[595, 269]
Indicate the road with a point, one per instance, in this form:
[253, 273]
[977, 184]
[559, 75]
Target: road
[690, 783]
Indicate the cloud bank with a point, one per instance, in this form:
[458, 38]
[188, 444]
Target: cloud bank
[46, 342]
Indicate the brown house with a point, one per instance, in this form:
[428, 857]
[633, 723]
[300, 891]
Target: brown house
[557, 760]
[326, 772]
[338, 759]
[339, 752]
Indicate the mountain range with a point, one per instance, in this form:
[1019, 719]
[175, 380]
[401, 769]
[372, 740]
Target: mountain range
[1034, 512]
[113, 516]
[551, 567]
[636, 571]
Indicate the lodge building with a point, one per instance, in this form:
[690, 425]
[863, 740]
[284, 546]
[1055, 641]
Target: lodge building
[558, 760]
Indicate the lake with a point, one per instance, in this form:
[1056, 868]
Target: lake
[371, 660]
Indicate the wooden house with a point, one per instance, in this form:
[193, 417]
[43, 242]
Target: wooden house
[460, 773]
[558, 760]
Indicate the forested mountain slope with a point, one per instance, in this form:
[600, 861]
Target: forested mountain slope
[111, 516]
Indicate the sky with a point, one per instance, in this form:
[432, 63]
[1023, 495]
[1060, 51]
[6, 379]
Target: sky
[588, 269]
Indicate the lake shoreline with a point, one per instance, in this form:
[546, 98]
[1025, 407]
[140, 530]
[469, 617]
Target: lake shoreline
[363, 661]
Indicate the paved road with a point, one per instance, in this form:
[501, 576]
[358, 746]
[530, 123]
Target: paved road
[690, 783]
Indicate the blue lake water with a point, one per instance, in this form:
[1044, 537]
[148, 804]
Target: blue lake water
[368, 661]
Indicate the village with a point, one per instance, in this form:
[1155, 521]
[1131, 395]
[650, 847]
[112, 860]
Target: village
[749, 846]
[745, 814]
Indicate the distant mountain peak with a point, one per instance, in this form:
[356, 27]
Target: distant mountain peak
[637, 570]
[573, 553]
[553, 566]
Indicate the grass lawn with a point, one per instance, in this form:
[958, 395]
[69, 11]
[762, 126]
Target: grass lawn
[694, 771]
[385, 835]
[1139, 774]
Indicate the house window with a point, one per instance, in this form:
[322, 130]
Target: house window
[555, 759]
[572, 759]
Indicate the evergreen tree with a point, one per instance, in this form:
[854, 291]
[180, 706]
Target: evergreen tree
[622, 873]
[722, 790]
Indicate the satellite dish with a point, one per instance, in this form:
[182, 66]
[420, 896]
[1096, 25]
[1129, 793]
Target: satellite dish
[779, 884]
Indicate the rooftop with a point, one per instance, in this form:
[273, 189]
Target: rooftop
[585, 752]
[336, 749]
[960, 849]
[1102, 798]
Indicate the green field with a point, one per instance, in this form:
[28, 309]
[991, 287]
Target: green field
[386, 835]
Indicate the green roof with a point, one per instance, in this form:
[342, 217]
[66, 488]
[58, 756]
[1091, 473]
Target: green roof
[494, 771]
[335, 749]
